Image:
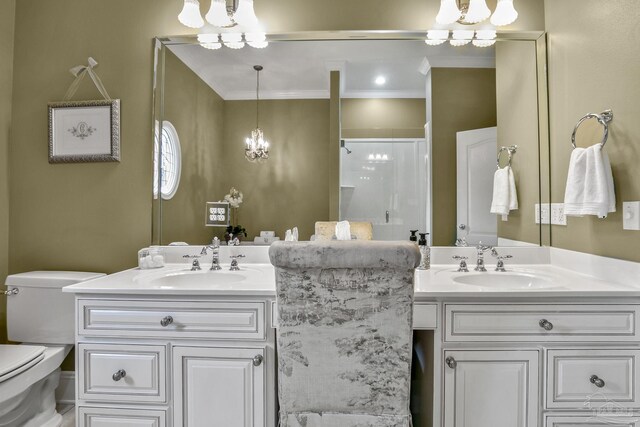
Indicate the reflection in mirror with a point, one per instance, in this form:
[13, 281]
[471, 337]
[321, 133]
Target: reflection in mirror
[392, 132]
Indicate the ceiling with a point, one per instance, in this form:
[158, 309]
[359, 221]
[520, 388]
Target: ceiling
[300, 69]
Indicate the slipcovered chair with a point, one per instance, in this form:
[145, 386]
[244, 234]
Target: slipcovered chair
[326, 230]
[344, 332]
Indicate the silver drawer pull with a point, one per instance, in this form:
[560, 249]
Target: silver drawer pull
[166, 321]
[545, 324]
[119, 375]
[598, 382]
[451, 362]
[257, 360]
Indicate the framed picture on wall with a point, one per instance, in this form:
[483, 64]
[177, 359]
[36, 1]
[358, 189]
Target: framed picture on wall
[84, 131]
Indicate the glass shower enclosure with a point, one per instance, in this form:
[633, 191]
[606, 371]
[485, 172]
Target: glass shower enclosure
[384, 181]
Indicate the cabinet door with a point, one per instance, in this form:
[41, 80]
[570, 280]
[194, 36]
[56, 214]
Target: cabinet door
[491, 388]
[219, 387]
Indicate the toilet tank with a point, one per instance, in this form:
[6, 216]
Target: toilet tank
[40, 313]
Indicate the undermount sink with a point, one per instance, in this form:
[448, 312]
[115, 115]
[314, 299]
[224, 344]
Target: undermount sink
[504, 281]
[196, 279]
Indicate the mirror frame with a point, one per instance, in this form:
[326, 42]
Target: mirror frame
[539, 37]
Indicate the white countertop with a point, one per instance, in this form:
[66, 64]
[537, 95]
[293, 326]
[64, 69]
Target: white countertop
[440, 282]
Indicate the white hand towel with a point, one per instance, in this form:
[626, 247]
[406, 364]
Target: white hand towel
[505, 196]
[343, 230]
[590, 189]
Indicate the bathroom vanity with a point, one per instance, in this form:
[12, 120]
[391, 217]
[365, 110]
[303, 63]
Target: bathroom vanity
[538, 345]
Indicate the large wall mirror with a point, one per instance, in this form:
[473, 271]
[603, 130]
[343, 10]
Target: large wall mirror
[376, 127]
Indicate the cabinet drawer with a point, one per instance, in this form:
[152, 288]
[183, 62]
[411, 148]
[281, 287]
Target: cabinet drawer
[598, 419]
[591, 379]
[213, 320]
[111, 417]
[541, 322]
[122, 372]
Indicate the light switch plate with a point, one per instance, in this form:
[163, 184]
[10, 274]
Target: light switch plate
[542, 213]
[217, 214]
[557, 214]
[631, 215]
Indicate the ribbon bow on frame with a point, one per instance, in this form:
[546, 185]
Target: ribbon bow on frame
[79, 72]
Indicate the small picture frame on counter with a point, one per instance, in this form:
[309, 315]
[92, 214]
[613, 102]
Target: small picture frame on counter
[84, 131]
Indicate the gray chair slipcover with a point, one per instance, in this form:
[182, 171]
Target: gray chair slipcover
[344, 332]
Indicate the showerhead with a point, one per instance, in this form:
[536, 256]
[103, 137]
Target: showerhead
[342, 145]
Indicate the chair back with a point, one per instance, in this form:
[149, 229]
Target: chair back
[344, 332]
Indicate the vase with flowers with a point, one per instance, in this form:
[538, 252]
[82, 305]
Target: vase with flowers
[235, 230]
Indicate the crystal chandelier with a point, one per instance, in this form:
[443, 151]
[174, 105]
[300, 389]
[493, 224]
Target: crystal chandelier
[471, 12]
[257, 148]
[235, 24]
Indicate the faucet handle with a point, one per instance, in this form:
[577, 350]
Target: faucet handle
[463, 263]
[500, 265]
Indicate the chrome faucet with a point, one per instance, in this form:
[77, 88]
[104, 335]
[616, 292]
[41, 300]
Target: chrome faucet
[215, 252]
[481, 249]
[463, 263]
[234, 262]
[195, 264]
[500, 258]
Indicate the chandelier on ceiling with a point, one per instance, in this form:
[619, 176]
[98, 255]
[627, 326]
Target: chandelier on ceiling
[232, 24]
[257, 148]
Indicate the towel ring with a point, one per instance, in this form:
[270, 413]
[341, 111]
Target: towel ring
[603, 118]
[510, 150]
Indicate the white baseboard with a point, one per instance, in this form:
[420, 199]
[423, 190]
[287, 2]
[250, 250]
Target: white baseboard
[66, 391]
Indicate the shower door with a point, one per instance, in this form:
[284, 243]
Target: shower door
[384, 182]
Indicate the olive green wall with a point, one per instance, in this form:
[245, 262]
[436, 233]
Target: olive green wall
[383, 118]
[96, 216]
[7, 11]
[517, 109]
[594, 64]
[463, 99]
[197, 113]
[292, 188]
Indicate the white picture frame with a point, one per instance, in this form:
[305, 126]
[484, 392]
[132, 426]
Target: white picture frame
[84, 131]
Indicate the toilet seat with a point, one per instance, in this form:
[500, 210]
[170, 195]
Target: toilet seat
[15, 359]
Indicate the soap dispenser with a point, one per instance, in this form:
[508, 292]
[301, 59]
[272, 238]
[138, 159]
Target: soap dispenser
[425, 252]
[413, 237]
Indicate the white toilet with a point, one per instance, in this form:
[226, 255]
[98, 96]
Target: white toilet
[43, 318]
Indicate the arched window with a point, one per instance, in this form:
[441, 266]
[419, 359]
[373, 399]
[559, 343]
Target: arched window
[171, 161]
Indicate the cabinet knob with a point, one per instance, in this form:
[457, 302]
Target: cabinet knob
[598, 382]
[451, 362]
[166, 321]
[119, 375]
[257, 360]
[545, 324]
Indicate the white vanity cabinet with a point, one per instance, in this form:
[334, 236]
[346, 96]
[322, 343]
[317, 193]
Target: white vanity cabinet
[518, 363]
[491, 388]
[222, 384]
[182, 362]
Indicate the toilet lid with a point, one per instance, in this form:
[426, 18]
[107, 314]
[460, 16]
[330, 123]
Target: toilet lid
[18, 358]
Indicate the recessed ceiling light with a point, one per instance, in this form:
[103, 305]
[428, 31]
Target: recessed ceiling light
[380, 80]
